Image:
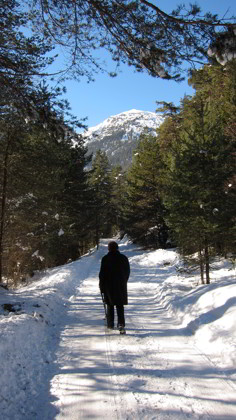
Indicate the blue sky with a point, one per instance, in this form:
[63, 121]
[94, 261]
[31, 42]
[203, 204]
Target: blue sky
[109, 96]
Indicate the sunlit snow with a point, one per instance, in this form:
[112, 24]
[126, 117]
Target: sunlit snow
[177, 360]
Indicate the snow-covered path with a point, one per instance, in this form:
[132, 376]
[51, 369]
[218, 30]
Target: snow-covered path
[154, 372]
[177, 361]
[83, 381]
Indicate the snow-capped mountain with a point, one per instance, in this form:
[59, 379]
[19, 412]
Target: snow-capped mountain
[118, 135]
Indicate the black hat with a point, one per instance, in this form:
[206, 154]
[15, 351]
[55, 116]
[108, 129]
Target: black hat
[112, 246]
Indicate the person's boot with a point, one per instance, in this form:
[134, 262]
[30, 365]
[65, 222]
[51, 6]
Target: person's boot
[121, 328]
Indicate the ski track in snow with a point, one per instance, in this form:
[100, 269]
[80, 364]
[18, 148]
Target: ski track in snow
[153, 372]
[176, 361]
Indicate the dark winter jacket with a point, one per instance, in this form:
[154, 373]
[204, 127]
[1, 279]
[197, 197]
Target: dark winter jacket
[113, 278]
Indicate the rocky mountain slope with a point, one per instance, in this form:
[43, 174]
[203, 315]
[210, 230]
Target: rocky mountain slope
[118, 135]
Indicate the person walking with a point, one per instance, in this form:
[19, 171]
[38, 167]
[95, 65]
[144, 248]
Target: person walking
[113, 277]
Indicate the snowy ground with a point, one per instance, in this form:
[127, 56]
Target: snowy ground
[176, 362]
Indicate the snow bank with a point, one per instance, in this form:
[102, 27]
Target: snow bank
[31, 321]
[207, 312]
[30, 327]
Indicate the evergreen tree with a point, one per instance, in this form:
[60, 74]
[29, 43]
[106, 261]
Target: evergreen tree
[34, 159]
[136, 32]
[100, 185]
[144, 210]
[21, 57]
[75, 200]
[200, 163]
[118, 178]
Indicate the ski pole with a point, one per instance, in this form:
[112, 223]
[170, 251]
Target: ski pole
[105, 308]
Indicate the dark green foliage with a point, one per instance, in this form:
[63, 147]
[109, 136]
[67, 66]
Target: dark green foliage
[199, 156]
[117, 198]
[36, 130]
[42, 191]
[117, 153]
[21, 57]
[135, 32]
[185, 177]
[52, 208]
[144, 210]
[100, 186]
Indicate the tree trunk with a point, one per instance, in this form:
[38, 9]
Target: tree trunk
[3, 204]
[97, 230]
[207, 264]
[201, 263]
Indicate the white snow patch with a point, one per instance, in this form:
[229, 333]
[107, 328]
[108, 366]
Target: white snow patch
[177, 360]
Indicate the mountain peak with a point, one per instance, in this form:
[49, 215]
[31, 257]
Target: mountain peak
[134, 111]
[118, 135]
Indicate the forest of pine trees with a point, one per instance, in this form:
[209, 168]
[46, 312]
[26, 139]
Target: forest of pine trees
[179, 190]
[181, 185]
[56, 202]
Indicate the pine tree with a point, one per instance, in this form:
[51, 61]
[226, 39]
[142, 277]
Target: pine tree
[144, 210]
[21, 56]
[118, 178]
[34, 159]
[100, 185]
[200, 163]
[75, 201]
[136, 32]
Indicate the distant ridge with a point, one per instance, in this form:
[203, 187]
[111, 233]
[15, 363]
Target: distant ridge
[118, 135]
